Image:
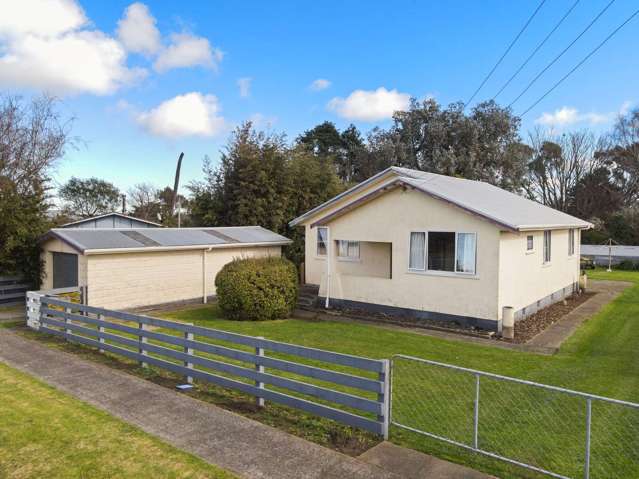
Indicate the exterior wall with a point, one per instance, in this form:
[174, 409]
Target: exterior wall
[55, 245]
[374, 261]
[524, 278]
[390, 218]
[128, 280]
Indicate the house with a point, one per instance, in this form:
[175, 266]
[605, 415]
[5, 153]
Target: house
[602, 254]
[133, 267]
[440, 248]
[112, 220]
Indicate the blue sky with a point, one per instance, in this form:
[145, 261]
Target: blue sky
[148, 80]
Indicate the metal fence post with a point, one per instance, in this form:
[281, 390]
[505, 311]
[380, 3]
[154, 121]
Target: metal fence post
[260, 369]
[101, 330]
[476, 414]
[188, 350]
[384, 398]
[588, 427]
[142, 340]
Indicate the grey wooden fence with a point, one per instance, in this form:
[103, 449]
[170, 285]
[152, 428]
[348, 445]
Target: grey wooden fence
[87, 325]
[13, 290]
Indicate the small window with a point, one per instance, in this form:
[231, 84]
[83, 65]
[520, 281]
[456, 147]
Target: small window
[441, 251]
[530, 243]
[547, 245]
[322, 238]
[571, 242]
[417, 251]
[348, 249]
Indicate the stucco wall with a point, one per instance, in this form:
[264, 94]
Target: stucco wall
[390, 218]
[55, 245]
[524, 278]
[374, 260]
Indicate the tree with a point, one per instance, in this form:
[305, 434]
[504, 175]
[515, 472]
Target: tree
[145, 201]
[33, 137]
[89, 197]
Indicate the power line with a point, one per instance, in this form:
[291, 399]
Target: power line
[581, 62]
[532, 82]
[537, 48]
[506, 52]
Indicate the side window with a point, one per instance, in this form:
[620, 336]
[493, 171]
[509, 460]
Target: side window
[571, 242]
[530, 243]
[547, 245]
[322, 237]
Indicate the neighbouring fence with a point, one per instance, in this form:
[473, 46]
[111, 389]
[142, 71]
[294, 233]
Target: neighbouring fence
[13, 290]
[188, 350]
[551, 430]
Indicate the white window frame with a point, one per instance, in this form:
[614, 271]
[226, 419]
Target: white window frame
[425, 269]
[348, 257]
[530, 250]
[548, 248]
[571, 242]
[317, 242]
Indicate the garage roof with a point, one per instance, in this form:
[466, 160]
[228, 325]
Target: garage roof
[109, 240]
[509, 210]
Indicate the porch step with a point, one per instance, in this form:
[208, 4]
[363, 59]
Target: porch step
[307, 297]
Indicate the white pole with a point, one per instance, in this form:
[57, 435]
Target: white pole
[609, 255]
[328, 266]
[204, 273]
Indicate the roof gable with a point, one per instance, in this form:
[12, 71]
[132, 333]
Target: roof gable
[75, 224]
[507, 210]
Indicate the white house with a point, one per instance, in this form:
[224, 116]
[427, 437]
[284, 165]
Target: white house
[438, 247]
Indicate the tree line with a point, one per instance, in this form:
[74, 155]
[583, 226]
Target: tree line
[265, 179]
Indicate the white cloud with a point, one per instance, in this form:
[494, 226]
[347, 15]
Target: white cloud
[320, 84]
[244, 84]
[569, 116]
[47, 45]
[137, 30]
[262, 121]
[187, 50]
[191, 114]
[370, 105]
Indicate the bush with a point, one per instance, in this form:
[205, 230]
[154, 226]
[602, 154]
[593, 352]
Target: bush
[257, 289]
[628, 265]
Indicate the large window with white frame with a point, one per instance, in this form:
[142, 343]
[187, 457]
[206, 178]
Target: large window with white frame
[547, 246]
[322, 241]
[571, 242]
[348, 250]
[445, 251]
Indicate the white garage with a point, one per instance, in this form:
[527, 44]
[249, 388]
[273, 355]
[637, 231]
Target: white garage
[128, 268]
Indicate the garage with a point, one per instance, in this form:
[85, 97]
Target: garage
[131, 268]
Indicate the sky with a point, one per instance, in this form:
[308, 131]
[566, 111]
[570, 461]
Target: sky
[146, 81]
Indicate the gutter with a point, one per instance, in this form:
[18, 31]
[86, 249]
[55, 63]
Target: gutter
[149, 249]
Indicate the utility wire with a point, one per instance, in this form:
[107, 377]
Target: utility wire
[506, 52]
[532, 82]
[537, 49]
[581, 62]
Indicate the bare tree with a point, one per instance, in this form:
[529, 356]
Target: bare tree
[558, 164]
[145, 200]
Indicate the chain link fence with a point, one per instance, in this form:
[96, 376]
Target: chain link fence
[551, 430]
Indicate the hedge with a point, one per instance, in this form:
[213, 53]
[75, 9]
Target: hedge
[257, 289]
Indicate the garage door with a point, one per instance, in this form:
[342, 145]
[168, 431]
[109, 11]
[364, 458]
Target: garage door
[65, 270]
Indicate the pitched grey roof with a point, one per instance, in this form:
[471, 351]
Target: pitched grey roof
[507, 209]
[114, 220]
[87, 240]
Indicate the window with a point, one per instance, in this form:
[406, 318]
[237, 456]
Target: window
[348, 249]
[417, 251]
[547, 245]
[571, 242]
[530, 243]
[446, 251]
[322, 238]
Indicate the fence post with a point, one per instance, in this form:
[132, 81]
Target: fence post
[142, 340]
[101, 330]
[259, 401]
[67, 332]
[189, 337]
[476, 414]
[588, 426]
[384, 397]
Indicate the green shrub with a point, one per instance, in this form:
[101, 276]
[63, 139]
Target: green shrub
[628, 265]
[257, 289]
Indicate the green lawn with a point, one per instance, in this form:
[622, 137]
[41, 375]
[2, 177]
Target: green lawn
[45, 433]
[602, 358]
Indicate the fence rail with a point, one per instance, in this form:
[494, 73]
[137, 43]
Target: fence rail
[87, 325]
[551, 430]
[13, 290]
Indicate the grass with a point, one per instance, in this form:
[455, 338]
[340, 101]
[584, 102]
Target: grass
[602, 357]
[45, 433]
